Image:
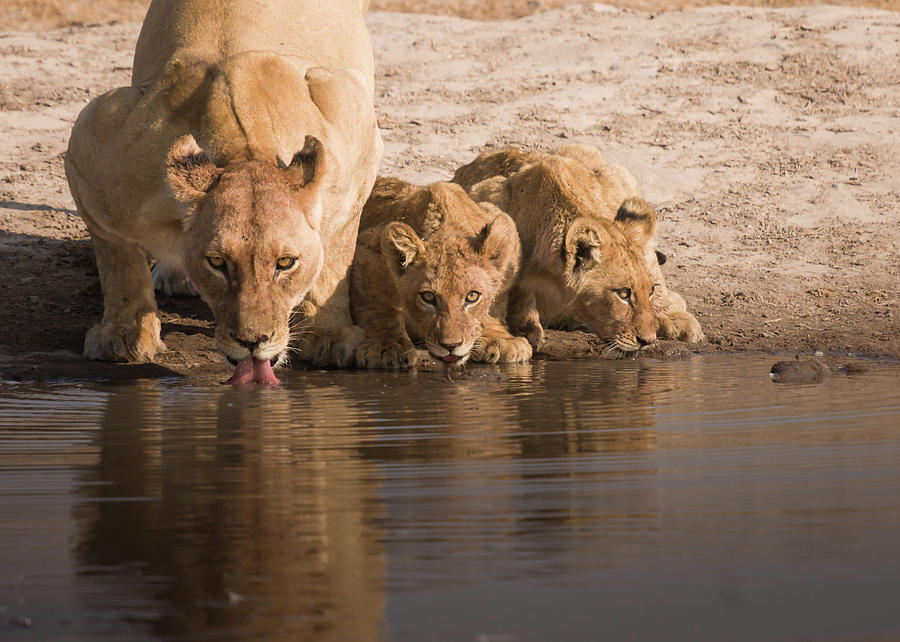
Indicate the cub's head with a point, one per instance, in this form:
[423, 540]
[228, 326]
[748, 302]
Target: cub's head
[610, 289]
[251, 242]
[447, 282]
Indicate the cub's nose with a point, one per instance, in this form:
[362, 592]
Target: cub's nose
[449, 347]
[646, 340]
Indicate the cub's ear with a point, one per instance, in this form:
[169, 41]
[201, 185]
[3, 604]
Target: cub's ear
[661, 258]
[189, 171]
[637, 220]
[400, 246]
[583, 247]
[493, 190]
[498, 241]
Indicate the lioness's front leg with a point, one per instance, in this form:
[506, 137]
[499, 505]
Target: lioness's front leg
[327, 335]
[497, 345]
[130, 328]
[522, 315]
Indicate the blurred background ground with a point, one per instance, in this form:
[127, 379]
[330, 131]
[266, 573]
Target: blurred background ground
[30, 15]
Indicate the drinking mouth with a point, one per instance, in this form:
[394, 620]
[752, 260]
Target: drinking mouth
[252, 370]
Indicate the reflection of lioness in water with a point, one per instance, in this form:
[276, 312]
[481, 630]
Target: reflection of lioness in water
[429, 264]
[588, 244]
[239, 159]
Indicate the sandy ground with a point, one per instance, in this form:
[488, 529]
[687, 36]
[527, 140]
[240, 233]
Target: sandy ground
[767, 138]
[50, 14]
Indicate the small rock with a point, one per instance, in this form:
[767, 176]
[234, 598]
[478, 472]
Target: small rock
[798, 372]
[22, 621]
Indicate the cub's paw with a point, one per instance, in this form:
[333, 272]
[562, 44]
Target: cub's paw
[393, 354]
[169, 280]
[533, 332]
[502, 350]
[682, 326]
[129, 343]
[329, 347]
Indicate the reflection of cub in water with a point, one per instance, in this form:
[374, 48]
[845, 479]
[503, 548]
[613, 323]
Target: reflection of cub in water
[589, 248]
[538, 409]
[243, 513]
[598, 408]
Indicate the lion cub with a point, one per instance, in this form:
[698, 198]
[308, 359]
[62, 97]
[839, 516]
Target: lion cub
[588, 243]
[429, 263]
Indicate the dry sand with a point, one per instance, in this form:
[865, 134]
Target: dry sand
[767, 138]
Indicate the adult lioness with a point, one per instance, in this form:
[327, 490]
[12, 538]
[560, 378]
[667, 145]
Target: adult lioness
[429, 264]
[588, 243]
[239, 157]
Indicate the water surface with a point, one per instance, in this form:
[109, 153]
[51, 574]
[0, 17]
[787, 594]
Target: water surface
[588, 500]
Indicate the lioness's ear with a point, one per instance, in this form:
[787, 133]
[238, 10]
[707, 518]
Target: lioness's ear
[307, 164]
[637, 220]
[400, 246]
[494, 190]
[305, 172]
[189, 171]
[583, 247]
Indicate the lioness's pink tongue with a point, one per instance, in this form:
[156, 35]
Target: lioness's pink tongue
[262, 371]
[250, 370]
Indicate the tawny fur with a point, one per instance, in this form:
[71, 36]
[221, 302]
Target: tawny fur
[587, 239]
[429, 264]
[248, 135]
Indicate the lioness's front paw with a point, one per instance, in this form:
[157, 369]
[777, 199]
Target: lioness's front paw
[323, 347]
[681, 326]
[121, 342]
[397, 354]
[502, 350]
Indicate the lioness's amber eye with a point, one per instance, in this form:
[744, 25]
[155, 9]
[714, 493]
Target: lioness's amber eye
[428, 297]
[285, 263]
[473, 296]
[216, 262]
[624, 293]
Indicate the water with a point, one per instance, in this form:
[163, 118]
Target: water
[592, 500]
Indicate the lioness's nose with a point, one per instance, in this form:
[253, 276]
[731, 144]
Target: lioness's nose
[450, 346]
[250, 342]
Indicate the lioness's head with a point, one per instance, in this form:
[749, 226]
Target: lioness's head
[447, 282]
[609, 287]
[251, 243]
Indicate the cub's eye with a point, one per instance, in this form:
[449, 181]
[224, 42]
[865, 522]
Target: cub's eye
[428, 297]
[652, 290]
[624, 293]
[216, 263]
[473, 296]
[285, 263]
